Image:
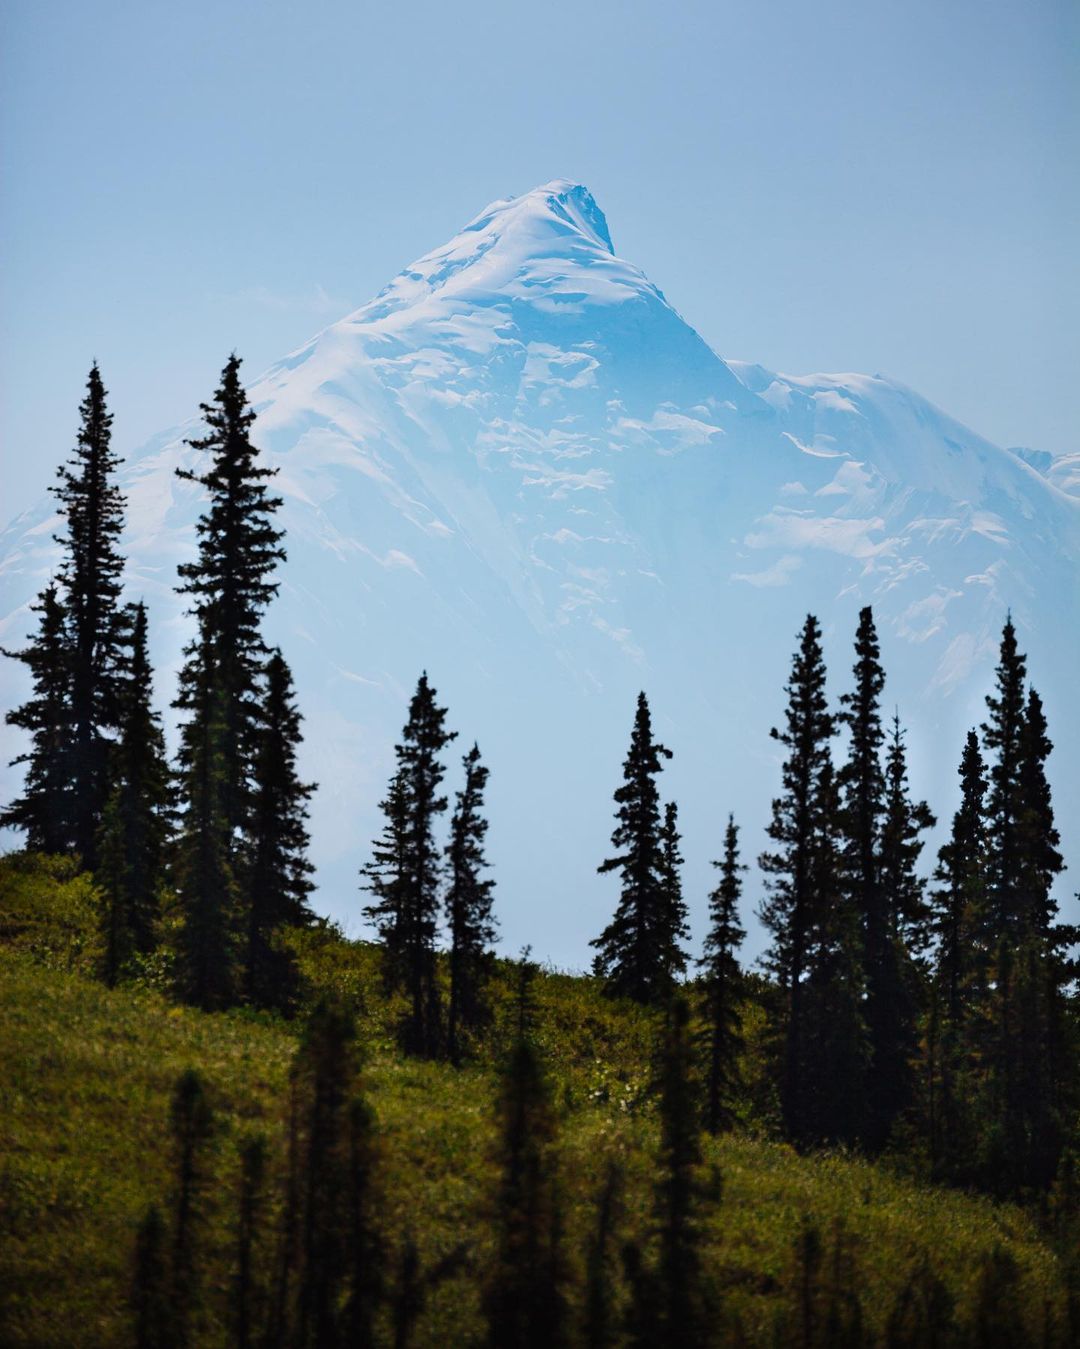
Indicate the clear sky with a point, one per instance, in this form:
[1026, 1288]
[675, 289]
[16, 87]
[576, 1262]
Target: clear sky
[843, 185]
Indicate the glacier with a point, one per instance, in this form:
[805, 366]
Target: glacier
[520, 469]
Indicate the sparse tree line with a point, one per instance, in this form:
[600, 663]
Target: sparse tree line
[933, 1018]
[311, 1260]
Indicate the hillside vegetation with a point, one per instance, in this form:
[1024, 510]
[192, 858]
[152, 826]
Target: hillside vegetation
[87, 1074]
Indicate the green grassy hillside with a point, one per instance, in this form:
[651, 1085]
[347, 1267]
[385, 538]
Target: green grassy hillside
[86, 1077]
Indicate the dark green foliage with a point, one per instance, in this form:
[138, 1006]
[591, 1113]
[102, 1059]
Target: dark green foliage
[721, 1037]
[524, 1298]
[191, 1123]
[599, 1325]
[960, 974]
[814, 954]
[247, 1289]
[894, 1042]
[277, 872]
[134, 833]
[406, 870]
[46, 811]
[90, 578]
[151, 1303]
[638, 953]
[230, 586]
[468, 909]
[413, 1286]
[209, 900]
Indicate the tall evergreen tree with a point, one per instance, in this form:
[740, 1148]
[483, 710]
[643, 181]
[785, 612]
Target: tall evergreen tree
[862, 790]
[890, 1082]
[959, 901]
[812, 953]
[468, 907]
[134, 834]
[407, 868]
[599, 1324]
[673, 928]
[150, 1301]
[524, 1301]
[1002, 734]
[638, 953]
[230, 586]
[47, 809]
[961, 963]
[277, 871]
[722, 1035]
[90, 577]
[207, 957]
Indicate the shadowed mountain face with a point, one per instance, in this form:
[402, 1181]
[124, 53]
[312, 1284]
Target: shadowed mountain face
[520, 469]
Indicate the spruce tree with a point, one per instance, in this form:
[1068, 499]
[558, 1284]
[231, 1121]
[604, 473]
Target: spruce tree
[961, 964]
[894, 1028]
[134, 835]
[813, 954]
[90, 578]
[862, 790]
[207, 955]
[150, 1299]
[229, 585]
[46, 812]
[407, 869]
[277, 872]
[673, 928]
[722, 1034]
[468, 908]
[524, 1298]
[960, 897]
[638, 953]
[1001, 735]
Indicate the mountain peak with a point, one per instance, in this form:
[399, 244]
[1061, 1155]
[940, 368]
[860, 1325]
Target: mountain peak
[561, 201]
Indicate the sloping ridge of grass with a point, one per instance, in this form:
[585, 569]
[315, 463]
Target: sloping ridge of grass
[86, 1075]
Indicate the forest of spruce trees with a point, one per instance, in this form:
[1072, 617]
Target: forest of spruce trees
[927, 1013]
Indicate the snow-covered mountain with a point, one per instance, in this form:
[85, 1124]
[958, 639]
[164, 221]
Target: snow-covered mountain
[519, 468]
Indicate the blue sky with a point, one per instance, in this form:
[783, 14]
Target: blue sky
[872, 186]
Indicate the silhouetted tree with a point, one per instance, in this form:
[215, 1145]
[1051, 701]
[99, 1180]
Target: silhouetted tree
[365, 1243]
[46, 811]
[638, 953]
[406, 871]
[890, 1079]
[922, 1317]
[468, 908]
[230, 586]
[134, 834]
[90, 580]
[813, 954]
[209, 899]
[722, 1035]
[961, 968]
[277, 873]
[524, 1299]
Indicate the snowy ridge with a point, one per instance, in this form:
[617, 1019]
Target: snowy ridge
[519, 468]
